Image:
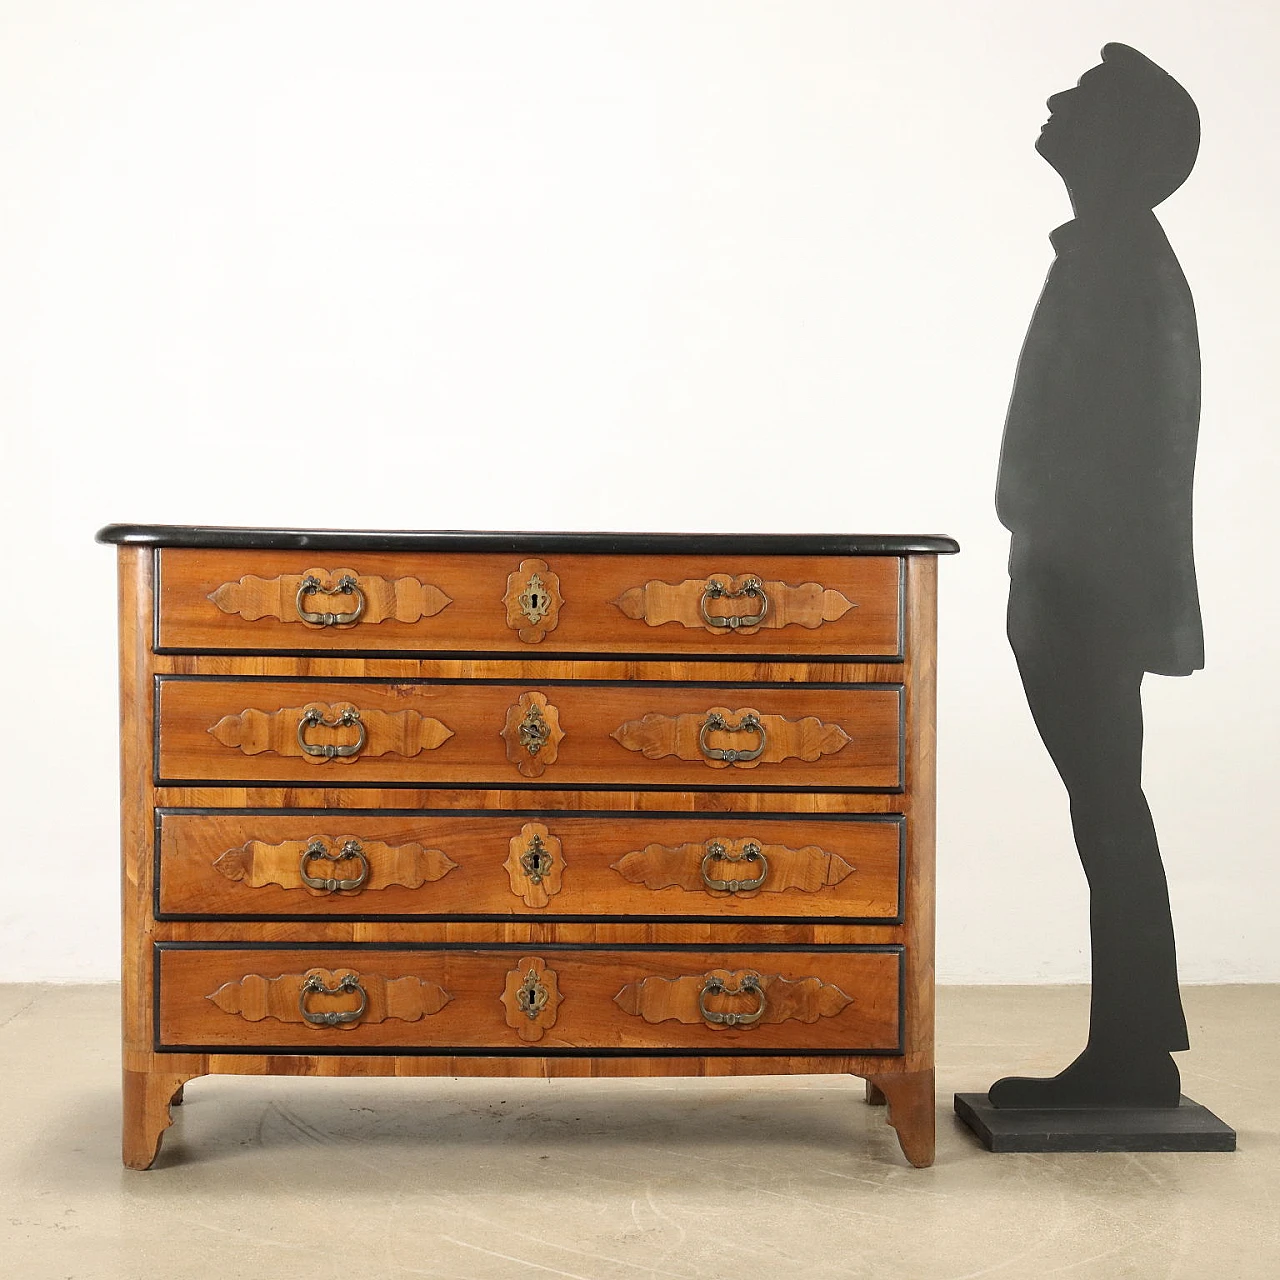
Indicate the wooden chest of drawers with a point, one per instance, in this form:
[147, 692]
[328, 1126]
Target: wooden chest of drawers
[526, 804]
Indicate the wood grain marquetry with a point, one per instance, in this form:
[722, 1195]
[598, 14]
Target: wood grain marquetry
[491, 734]
[736, 605]
[532, 732]
[713, 865]
[630, 865]
[288, 732]
[722, 738]
[531, 998]
[380, 598]
[363, 999]
[257, 864]
[480, 617]
[533, 601]
[251, 1010]
[742, 997]
[535, 865]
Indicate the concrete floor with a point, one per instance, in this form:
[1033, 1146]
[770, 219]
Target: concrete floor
[596, 1180]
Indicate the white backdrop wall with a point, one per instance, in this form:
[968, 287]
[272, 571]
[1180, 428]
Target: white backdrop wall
[692, 266]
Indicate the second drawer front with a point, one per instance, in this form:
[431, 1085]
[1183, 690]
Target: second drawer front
[337, 863]
[508, 733]
[342, 1000]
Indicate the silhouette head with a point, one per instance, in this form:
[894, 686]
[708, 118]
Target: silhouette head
[1125, 138]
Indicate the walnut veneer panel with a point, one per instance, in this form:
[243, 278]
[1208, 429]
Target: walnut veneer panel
[598, 735]
[442, 864]
[641, 1000]
[469, 603]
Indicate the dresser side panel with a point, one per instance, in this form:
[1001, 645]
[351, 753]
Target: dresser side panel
[135, 598]
[921, 699]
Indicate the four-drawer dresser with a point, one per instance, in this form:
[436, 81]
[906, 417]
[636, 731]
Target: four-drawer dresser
[526, 804]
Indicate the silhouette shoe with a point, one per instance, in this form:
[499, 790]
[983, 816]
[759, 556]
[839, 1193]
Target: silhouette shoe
[1095, 1080]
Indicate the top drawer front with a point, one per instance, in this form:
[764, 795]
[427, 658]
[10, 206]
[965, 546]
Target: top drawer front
[710, 605]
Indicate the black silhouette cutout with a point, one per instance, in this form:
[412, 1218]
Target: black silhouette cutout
[1095, 487]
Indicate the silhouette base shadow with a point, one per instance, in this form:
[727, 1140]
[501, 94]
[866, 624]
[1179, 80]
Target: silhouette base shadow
[1186, 1127]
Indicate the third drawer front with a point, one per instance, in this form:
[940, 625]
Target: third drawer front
[705, 866]
[437, 999]
[509, 733]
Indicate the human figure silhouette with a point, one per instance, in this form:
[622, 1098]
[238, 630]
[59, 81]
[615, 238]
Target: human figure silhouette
[1095, 487]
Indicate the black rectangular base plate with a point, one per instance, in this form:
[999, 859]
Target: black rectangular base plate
[1186, 1127]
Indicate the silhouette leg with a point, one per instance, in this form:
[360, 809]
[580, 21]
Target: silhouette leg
[1086, 701]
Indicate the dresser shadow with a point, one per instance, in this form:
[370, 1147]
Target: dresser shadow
[458, 1131]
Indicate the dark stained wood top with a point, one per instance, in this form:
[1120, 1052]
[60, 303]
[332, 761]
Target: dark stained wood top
[804, 544]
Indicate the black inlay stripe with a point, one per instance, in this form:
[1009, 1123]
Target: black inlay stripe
[272, 811]
[747, 686]
[520, 656]
[815, 948]
[462, 917]
[497, 1051]
[496, 784]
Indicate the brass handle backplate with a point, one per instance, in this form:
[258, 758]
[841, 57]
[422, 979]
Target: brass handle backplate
[748, 985]
[351, 850]
[716, 590]
[329, 750]
[751, 852]
[345, 586]
[749, 723]
[348, 982]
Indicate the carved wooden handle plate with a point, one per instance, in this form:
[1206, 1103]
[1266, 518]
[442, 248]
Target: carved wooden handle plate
[404, 733]
[257, 864]
[687, 736]
[784, 999]
[404, 599]
[535, 865]
[806, 870]
[715, 604]
[533, 601]
[531, 998]
[255, 997]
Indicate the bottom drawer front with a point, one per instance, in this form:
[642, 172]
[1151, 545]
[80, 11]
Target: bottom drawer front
[343, 1000]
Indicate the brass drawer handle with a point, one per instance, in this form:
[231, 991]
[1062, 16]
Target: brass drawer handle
[748, 724]
[348, 715]
[348, 982]
[351, 850]
[346, 586]
[716, 590]
[751, 852]
[750, 985]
